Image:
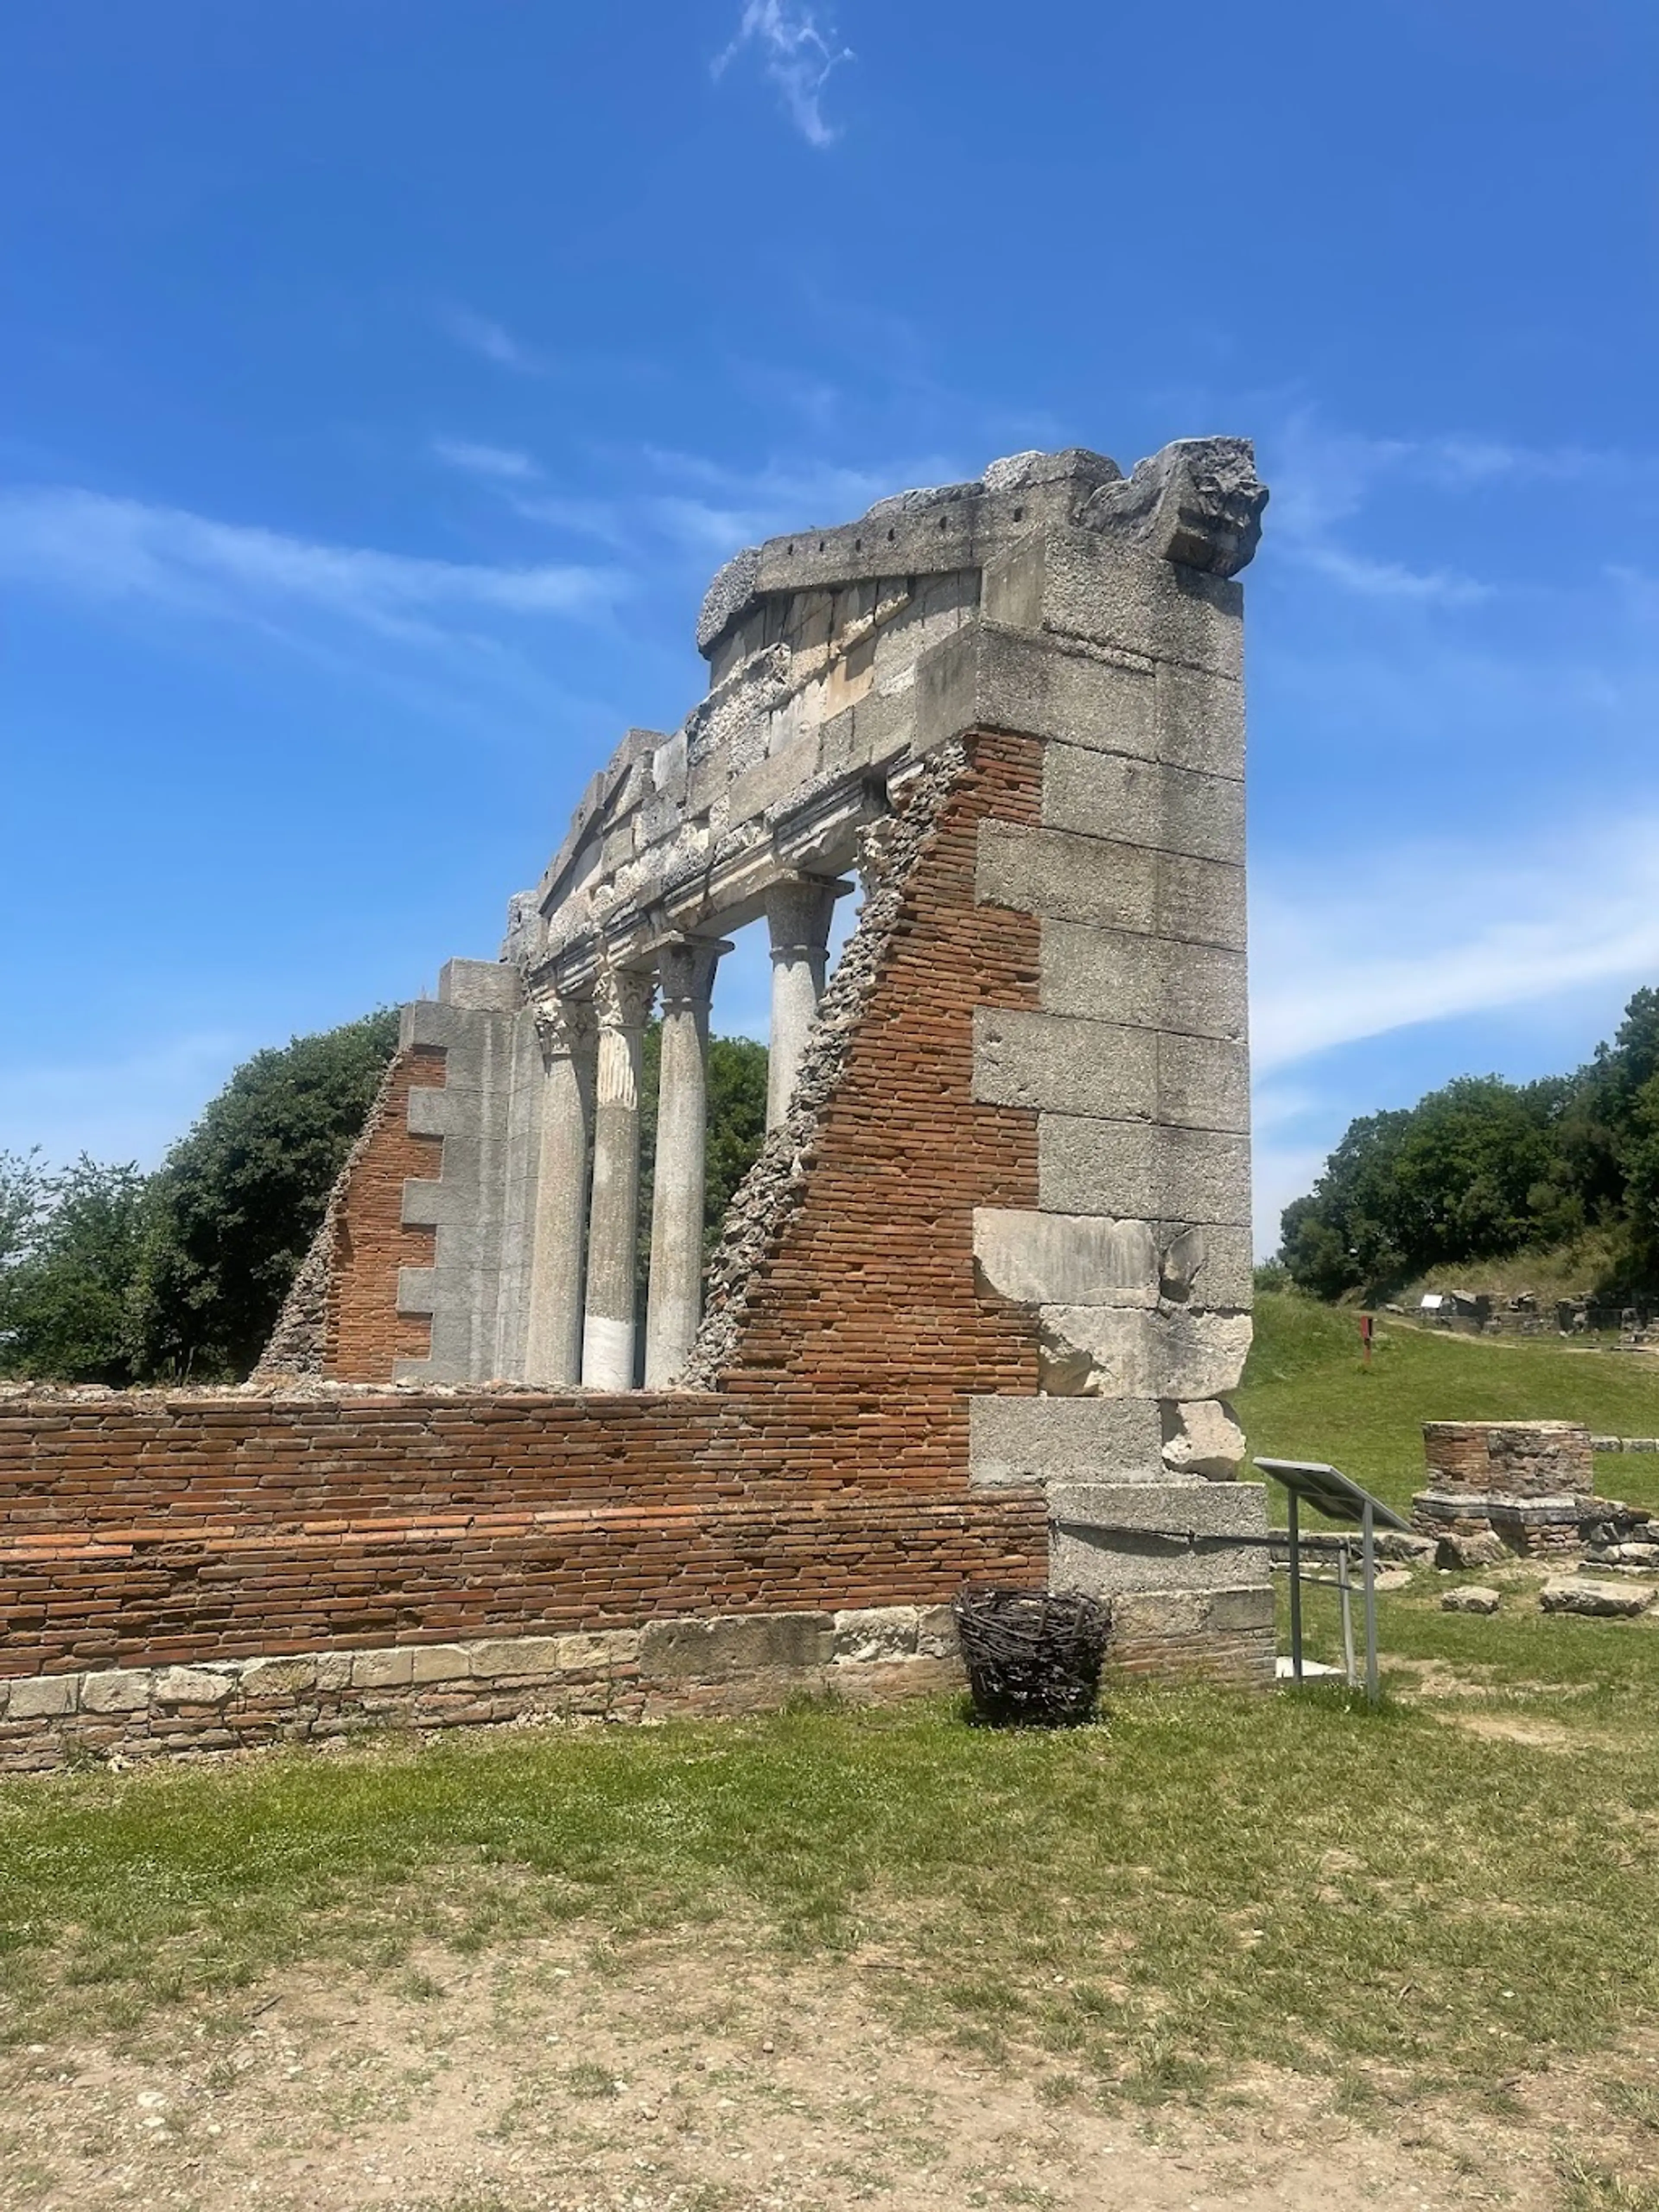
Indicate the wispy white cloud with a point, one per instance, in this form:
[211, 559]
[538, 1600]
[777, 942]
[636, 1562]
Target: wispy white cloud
[1322, 478]
[1444, 931]
[491, 341]
[797, 54]
[93, 546]
[504, 463]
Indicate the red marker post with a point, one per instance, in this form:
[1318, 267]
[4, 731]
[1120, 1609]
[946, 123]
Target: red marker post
[1365, 1337]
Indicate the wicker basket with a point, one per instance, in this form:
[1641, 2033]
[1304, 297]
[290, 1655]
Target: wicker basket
[1033, 1656]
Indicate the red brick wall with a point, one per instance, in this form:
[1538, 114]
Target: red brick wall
[364, 1333]
[828, 1471]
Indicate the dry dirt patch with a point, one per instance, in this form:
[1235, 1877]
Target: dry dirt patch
[689, 2076]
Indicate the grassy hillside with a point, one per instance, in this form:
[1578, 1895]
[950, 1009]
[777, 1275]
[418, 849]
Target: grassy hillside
[1306, 1395]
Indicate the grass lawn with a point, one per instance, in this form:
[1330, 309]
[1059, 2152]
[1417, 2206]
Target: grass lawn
[1308, 1394]
[1441, 1901]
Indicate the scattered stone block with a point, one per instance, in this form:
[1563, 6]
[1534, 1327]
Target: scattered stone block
[1470, 1597]
[1481, 1549]
[1601, 1601]
[1400, 1544]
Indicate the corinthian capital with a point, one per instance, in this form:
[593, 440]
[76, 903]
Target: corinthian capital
[685, 969]
[564, 1027]
[622, 997]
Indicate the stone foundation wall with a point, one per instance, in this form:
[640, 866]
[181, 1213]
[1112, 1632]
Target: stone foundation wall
[717, 1664]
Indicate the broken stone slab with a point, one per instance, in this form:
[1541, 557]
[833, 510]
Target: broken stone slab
[1601, 1601]
[1471, 1597]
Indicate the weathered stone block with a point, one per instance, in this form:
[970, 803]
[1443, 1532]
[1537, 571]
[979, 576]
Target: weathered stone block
[1142, 802]
[601, 1647]
[1149, 1171]
[439, 1663]
[193, 1686]
[1144, 1171]
[1143, 982]
[1083, 584]
[1060, 1064]
[936, 1633]
[1104, 1352]
[277, 1678]
[1067, 1259]
[380, 1670]
[1470, 1597]
[121, 1690]
[887, 1632]
[1105, 1538]
[1017, 1441]
[1056, 874]
[1602, 1601]
[43, 1697]
[1203, 1438]
[1199, 721]
[491, 1659]
[1203, 1083]
[739, 1644]
[988, 677]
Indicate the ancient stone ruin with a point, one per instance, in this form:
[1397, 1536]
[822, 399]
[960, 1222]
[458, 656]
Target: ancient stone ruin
[1523, 1489]
[978, 1304]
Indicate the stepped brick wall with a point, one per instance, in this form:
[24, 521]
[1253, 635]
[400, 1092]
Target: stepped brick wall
[364, 1333]
[826, 1472]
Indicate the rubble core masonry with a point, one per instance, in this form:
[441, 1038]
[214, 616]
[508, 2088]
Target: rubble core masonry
[974, 1310]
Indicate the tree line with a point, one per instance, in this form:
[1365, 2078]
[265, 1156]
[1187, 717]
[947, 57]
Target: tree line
[111, 1275]
[1484, 1168]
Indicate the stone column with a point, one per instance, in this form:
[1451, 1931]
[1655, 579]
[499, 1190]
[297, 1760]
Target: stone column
[797, 912]
[686, 973]
[622, 1000]
[566, 1031]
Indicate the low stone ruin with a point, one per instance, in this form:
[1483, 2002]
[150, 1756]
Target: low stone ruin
[1501, 1490]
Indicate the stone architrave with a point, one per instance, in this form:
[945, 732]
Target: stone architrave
[686, 975]
[568, 1034]
[797, 914]
[622, 1000]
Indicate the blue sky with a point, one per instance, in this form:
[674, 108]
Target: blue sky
[385, 378]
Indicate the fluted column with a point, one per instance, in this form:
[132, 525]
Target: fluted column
[685, 973]
[797, 914]
[621, 999]
[553, 1352]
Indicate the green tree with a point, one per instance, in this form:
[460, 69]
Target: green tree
[236, 1202]
[737, 1124]
[68, 1270]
